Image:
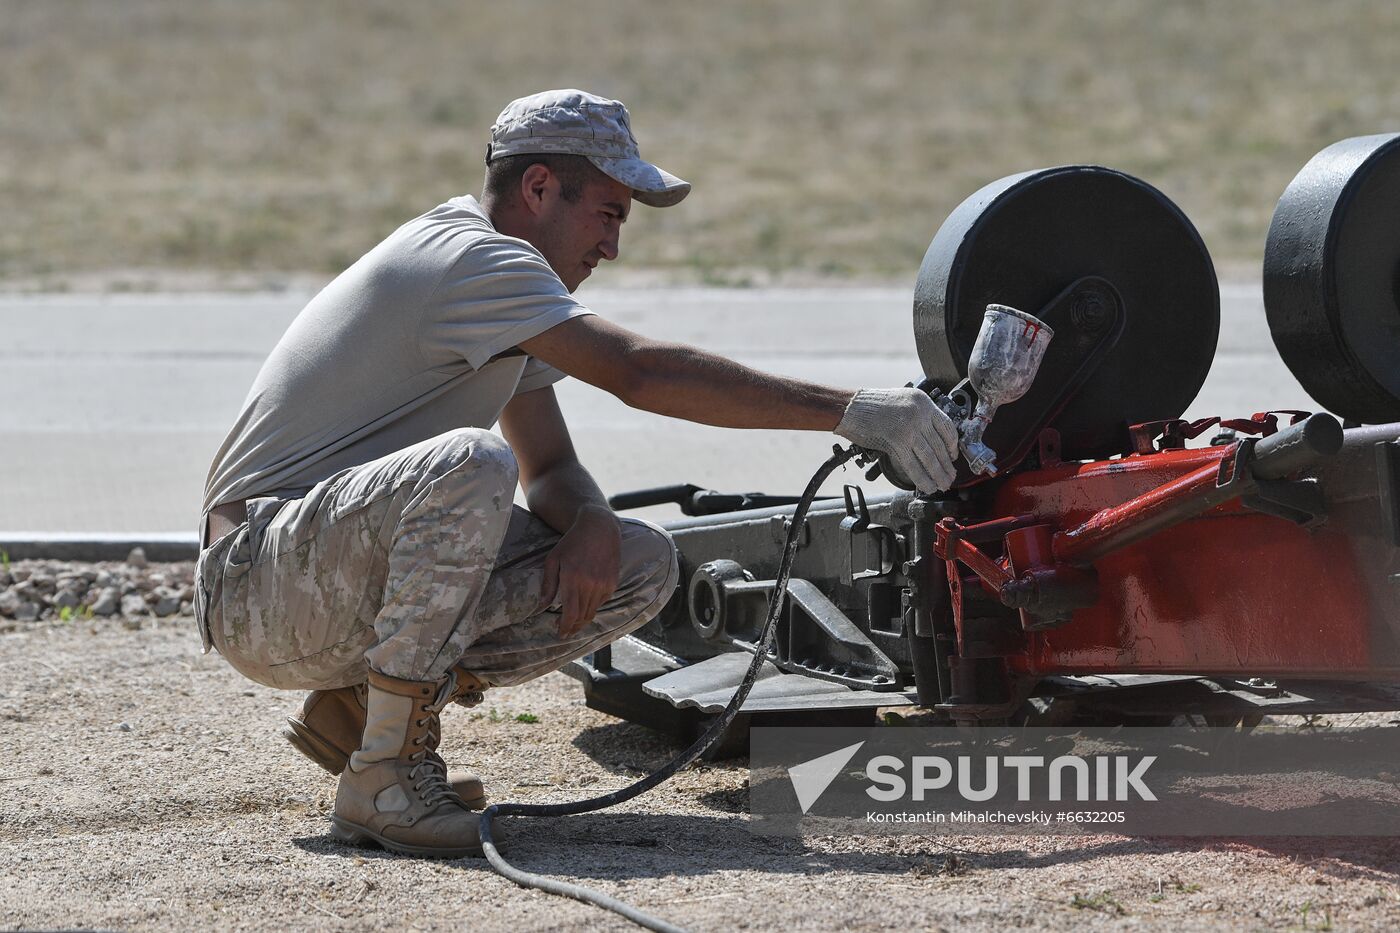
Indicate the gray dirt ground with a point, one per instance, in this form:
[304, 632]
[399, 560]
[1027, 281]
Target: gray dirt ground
[144, 787]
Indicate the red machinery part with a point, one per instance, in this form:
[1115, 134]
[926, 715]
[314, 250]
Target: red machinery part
[1230, 591]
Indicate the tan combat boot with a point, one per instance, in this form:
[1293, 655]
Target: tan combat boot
[393, 790]
[331, 723]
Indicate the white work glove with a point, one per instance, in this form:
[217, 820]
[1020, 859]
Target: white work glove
[904, 423]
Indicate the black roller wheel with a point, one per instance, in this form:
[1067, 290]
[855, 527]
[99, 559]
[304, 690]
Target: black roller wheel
[1022, 240]
[1332, 278]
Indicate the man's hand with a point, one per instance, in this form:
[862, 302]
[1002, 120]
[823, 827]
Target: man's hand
[905, 424]
[582, 569]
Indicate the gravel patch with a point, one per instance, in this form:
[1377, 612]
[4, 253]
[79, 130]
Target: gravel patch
[132, 591]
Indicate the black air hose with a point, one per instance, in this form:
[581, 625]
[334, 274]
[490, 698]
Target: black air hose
[717, 728]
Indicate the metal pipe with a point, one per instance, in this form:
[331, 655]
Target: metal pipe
[928, 659]
[1280, 454]
[1118, 526]
[1296, 447]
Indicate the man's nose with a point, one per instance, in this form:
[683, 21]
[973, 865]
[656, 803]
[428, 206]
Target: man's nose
[609, 246]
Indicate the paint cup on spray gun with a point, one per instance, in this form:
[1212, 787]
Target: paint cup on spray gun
[1004, 361]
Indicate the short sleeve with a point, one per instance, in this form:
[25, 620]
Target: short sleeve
[537, 375]
[499, 292]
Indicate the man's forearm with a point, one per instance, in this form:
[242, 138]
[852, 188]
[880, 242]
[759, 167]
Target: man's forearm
[560, 495]
[684, 382]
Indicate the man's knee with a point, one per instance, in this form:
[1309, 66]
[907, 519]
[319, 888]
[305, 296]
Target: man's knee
[648, 557]
[480, 455]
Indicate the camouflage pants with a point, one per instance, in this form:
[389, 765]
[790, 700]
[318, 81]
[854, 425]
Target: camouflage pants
[409, 564]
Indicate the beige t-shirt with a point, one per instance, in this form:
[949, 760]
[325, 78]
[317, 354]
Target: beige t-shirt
[416, 338]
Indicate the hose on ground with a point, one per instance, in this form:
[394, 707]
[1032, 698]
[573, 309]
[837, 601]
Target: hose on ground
[712, 734]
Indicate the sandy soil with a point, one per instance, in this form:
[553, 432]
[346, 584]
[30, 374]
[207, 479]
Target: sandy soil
[143, 786]
[821, 138]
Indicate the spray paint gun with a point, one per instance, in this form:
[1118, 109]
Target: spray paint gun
[1004, 362]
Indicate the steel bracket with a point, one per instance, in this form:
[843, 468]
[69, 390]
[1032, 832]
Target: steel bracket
[889, 544]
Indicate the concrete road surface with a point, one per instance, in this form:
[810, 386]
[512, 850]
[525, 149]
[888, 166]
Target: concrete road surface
[114, 405]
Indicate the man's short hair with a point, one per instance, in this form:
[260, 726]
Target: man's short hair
[573, 171]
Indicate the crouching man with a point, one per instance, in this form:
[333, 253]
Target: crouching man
[359, 535]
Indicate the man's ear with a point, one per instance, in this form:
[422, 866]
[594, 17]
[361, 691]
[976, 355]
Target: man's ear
[536, 185]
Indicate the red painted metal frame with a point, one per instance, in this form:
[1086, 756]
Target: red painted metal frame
[1229, 592]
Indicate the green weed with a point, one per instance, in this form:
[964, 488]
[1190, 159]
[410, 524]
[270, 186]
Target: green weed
[1173, 886]
[1102, 902]
[1324, 922]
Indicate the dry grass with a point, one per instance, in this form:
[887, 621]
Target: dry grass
[824, 138]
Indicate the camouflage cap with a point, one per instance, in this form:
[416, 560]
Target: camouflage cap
[575, 122]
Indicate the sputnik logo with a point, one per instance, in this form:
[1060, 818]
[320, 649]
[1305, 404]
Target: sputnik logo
[811, 778]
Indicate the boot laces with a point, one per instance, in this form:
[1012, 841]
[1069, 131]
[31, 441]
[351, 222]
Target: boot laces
[429, 774]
